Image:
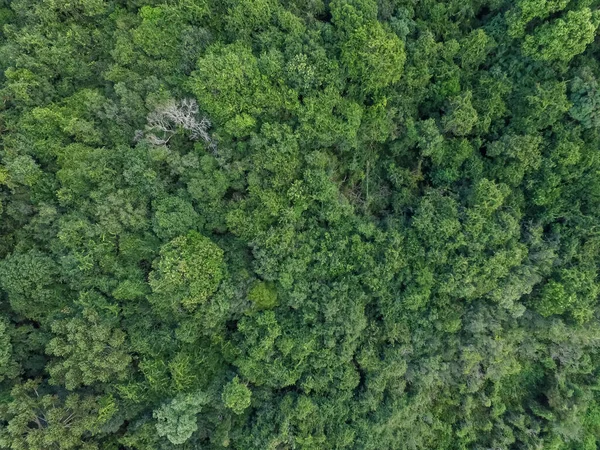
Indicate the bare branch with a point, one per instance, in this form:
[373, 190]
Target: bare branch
[164, 122]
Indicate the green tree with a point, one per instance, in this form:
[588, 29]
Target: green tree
[89, 349]
[563, 39]
[187, 273]
[236, 396]
[177, 419]
[527, 10]
[173, 216]
[585, 97]
[461, 117]
[374, 57]
[35, 419]
[263, 295]
[32, 282]
[375, 225]
[9, 368]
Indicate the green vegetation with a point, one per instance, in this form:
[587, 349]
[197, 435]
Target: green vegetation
[299, 224]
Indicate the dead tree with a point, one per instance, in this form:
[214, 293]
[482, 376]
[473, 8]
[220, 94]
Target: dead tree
[166, 119]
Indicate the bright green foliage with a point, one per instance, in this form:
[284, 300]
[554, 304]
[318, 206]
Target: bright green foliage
[374, 57]
[263, 295]
[154, 35]
[554, 299]
[474, 49]
[237, 396]
[231, 89]
[525, 11]
[520, 154]
[188, 271]
[563, 39]
[249, 15]
[576, 291]
[545, 105]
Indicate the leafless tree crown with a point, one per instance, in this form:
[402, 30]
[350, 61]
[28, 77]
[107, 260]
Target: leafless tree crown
[164, 121]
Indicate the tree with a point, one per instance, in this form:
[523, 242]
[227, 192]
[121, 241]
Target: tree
[9, 368]
[374, 57]
[187, 273]
[177, 419]
[37, 420]
[174, 216]
[299, 224]
[236, 396]
[89, 349]
[32, 282]
[474, 49]
[563, 39]
[462, 117]
[229, 86]
[527, 10]
[585, 97]
[168, 117]
[263, 295]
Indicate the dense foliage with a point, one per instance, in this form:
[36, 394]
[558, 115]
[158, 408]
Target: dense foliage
[299, 224]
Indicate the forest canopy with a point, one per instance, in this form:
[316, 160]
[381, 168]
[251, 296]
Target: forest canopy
[299, 224]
